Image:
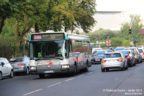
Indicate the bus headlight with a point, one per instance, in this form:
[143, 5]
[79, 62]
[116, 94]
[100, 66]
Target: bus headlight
[65, 66]
[33, 68]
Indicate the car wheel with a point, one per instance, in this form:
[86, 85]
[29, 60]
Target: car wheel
[107, 69]
[27, 71]
[126, 68]
[122, 68]
[41, 75]
[1, 77]
[11, 74]
[75, 69]
[102, 70]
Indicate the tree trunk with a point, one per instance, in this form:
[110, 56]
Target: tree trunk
[36, 28]
[2, 23]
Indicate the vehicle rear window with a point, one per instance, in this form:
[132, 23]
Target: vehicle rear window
[115, 55]
[125, 53]
[140, 50]
[74, 54]
[100, 53]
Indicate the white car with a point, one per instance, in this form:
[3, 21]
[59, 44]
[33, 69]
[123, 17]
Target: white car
[5, 68]
[114, 60]
[95, 49]
[20, 64]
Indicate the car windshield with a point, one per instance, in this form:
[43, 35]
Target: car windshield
[74, 54]
[125, 53]
[113, 55]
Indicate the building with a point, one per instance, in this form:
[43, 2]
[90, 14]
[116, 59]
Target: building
[110, 19]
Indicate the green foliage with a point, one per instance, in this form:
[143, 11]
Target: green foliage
[136, 25]
[102, 34]
[115, 42]
[17, 17]
[126, 43]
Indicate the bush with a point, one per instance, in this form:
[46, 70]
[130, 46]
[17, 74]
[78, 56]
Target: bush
[5, 48]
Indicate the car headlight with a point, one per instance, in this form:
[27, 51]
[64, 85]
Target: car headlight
[33, 68]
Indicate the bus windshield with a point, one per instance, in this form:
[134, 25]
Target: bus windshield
[49, 49]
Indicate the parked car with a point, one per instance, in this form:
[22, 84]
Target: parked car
[141, 52]
[97, 57]
[129, 55]
[20, 64]
[5, 68]
[138, 57]
[113, 60]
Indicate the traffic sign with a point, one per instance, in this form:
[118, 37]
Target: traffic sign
[109, 43]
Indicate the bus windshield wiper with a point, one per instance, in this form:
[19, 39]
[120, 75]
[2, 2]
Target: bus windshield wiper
[61, 58]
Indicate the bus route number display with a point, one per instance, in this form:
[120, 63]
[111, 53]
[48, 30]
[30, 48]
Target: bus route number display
[48, 36]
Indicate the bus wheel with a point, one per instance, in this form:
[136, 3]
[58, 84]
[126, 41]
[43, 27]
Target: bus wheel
[75, 69]
[86, 69]
[1, 77]
[41, 75]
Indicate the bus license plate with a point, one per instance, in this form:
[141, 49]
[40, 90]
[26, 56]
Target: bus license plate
[51, 71]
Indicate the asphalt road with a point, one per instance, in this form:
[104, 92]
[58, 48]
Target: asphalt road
[92, 83]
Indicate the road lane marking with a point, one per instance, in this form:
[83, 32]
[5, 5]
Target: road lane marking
[69, 79]
[32, 92]
[58, 83]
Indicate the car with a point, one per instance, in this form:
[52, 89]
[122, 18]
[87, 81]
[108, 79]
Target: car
[141, 52]
[113, 60]
[20, 64]
[119, 48]
[5, 68]
[82, 60]
[137, 54]
[129, 55]
[95, 50]
[98, 56]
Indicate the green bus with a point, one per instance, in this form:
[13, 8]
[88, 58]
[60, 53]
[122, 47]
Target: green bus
[50, 52]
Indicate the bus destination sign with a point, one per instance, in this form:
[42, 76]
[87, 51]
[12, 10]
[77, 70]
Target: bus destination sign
[48, 36]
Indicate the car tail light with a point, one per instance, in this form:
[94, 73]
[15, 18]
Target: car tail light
[127, 57]
[79, 60]
[103, 61]
[20, 64]
[50, 63]
[75, 59]
[120, 60]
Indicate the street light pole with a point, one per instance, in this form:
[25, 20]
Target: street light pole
[134, 37]
[133, 31]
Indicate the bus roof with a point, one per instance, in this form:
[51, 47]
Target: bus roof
[69, 36]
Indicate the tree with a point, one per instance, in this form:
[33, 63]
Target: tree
[136, 25]
[5, 12]
[68, 14]
[102, 34]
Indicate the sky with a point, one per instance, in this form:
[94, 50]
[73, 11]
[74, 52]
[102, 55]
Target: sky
[114, 21]
[128, 6]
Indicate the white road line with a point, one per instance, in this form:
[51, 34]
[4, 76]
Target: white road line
[58, 83]
[32, 92]
[69, 79]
